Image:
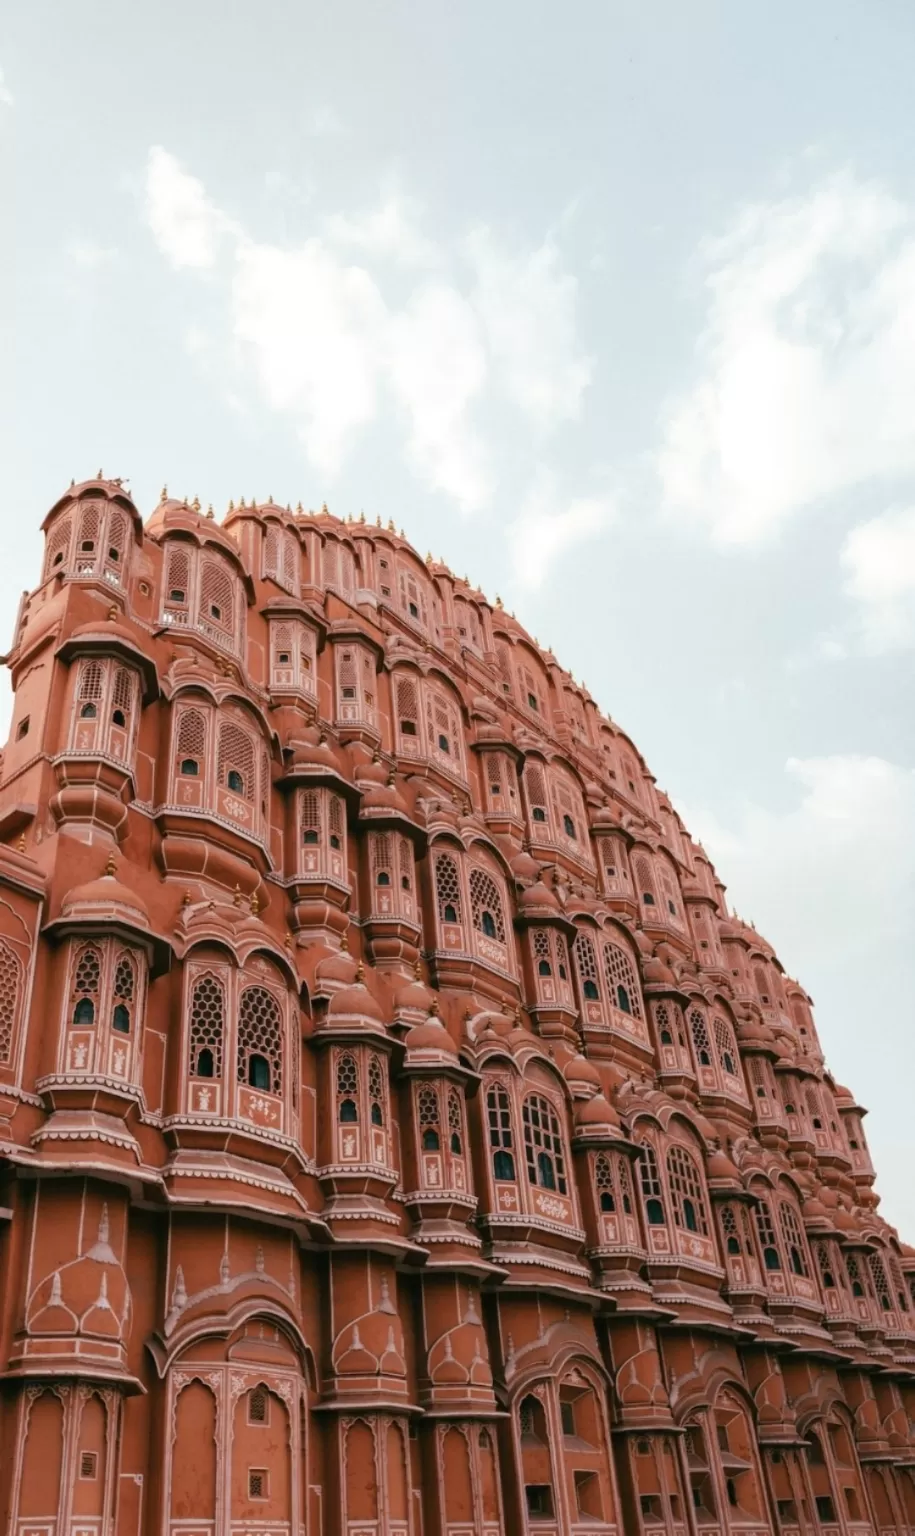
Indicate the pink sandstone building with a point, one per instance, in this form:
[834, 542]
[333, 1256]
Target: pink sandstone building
[398, 1134]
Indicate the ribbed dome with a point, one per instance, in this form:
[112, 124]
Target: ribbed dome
[335, 971]
[431, 1035]
[597, 1112]
[537, 901]
[105, 897]
[580, 1073]
[355, 1001]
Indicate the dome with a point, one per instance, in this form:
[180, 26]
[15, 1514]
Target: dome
[105, 898]
[596, 1114]
[581, 1074]
[537, 901]
[720, 1168]
[524, 868]
[415, 996]
[336, 970]
[430, 1036]
[355, 1001]
[314, 754]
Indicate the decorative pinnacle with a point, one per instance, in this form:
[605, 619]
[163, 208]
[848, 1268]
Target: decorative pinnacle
[391, 528]
[360, 973]
[361, 516]
[236, 900]
[255, 904]
[418, 969]
[344, 944]
[100, 475]
[196, 504]
[186, 899]
[498, 601]
[231, 506]
[241, 502]
[163, 494]
[210, 513]
[111, 865]
[299, 509]
[324, 511]
[20, 846]
[288, 940]
[434, 1009]
[378, 521]
[112, 613]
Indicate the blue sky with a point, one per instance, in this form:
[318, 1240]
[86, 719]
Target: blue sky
[612, 306]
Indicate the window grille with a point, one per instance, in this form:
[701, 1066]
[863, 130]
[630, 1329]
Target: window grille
[794, 1240]
[10, 987]
[216, 609]
[652, 1188]
[58, 548]
[191, 735]
[407, 707]
[447, 889]
[86, 983]
[124, 992]
[347, 1079]
[501, 1142]
[701, 1039]
[258, 1401]
[881, 1283]
[825, 1267]
[535, 788]
[430, 1128]
[621, 981]
[90, 689]
[644, 879]
[727, 1047]
[177, 578]
[376, 1091]
[604, 1183]
[543, 1144]
[235, 760]
[686, 1191]
[336, 821]
[260, 1035]
[586, 961]
[729, 1230]
[207, 1027]
[486, 905]
[455, 1121]
[767, 1238]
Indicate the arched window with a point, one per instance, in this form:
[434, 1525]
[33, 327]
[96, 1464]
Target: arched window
[727, 1048]
[447, 889]
[794, 1240]
[58, 548]
[498, 1111]
[825, 1266]
[686, 1191]
[258, 1405]
[376, 1091]
[455, 1122]
[190, 741]
[216, 606]
[10, 995]
[586, 961]
[260, 1040]
[90, 689]
[235, 760]
[644, 879]
[543, 1144]
[124, 993]
[407, 707]
[534, 780]
[768, 1241]
[881, 1283]
[486, 905]
[729, 1230]
[430, 1119]
[86, 983]
[621, 981]
[207, 1025]
[603, 1179]
[652, 1189]
[701, 1041]
[347, 1089]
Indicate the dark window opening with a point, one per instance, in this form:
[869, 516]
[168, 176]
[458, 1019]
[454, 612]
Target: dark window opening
[771, 1259]
[84, 1012]
[383, 878]
[622, 1000]
[647, 898]
[567, 1415]
[376, 1116]
[705, 1059]
[283, 658]
[414, 611]
[733, 1245]
[672, 908]
[114, 554]
[654, 1210]
[825, 1509]
[87, 546]
[689, 1216]
[539, 1498]
[204, 1067]
[503, 1165]
[443, 744]
[88, 712]
[569, 826]
[347, 1113]
[259, 1072]
[487, 923]
[532, 701]
[334, 840]
[729, 1064]
[456, 1144]
[546, 1175]
[176, 595]
[591, 992]
[309, 835]
[449, 915]
[23, 729]
[235, 781]
[190, 767]
[120, 1019]
[797, 1263]
[431, 1141]
[666, 1037]
[543, 969]
[215, 611]
[405, 882]
[408, 728]
[607, 1202]
[118, 717]
[538, 813]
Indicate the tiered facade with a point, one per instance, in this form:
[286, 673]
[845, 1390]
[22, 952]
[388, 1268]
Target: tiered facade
[397, 1132]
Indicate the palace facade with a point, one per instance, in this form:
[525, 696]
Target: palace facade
[398, 1134]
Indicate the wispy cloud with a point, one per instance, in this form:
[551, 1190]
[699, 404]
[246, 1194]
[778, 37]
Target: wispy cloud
[6, 95]
[805, 383]
[89, 254]
[551, 523]
[878, 559]
[371, 313]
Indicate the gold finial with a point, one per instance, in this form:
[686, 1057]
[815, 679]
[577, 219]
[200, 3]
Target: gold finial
[391, 528]
[418, 969]
[434, 1008]
[360, 973]
[20, 846]
[210, 513]
[100, 476]
[429, 557]
[344, 944]
[186, 899]
[72, 482]
[196, 504]
[378, 521]
[299, 509]
[237, 897]
[111, 865]
[241, 503]
[112, 613]
[498, 601]
[163, 494]
[255, 904]
[270, 501]
[231, 506]
[324, 511]
[361, 516]
[288, 940]
[392, 778]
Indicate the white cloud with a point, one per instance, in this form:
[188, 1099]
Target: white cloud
[186, 226]
[370, 313]
[325, 123]
[835, 872]
[89, 254]
[6, 95]
[549, 524]
[527, 304]
[806, 381]
[878, 558]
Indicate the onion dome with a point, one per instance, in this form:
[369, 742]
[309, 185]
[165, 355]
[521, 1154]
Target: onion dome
[380, 800]
[704, 1127]
[355, 1002]
[430, 1038]
[582, 1077]
[312, 755]
[99, 487]
[722, 1173]
[814, 1212]
[524, 868]
[537, 902]
[335, 971]
[595, 1116]
[415, 996]
[656, 973]
[105, 900]
[751, 1032]
[111, 636]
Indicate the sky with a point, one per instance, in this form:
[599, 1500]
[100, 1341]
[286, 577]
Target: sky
[611, 306]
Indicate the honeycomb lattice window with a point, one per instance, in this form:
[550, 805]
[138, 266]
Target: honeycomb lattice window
[381, 860]
[258, 1483]
[207, 1027]
[686, 1192]
[90, 689]
[765, 1228]
[727, 1047]
[58, 548]
[543, 1144]
[486, 905]
[729, 1230]
[407, 707]
[621, 980]
[258, 1406]
[87, 538]
[644, 880]
[191, 736]
[586, 960]
[825, 1266]
[122, 692]
[535, 789]
[260, 1039]
[336, 821]
[542, 953]
[86, 982]
[456, 1121]
[125, 986]
[235, 760]
[701, 1038]
[10, 992]
[217, 596]
[177, 578]
[604, 1182]
[430, 1118]
[376, 1091]
[448, 889]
